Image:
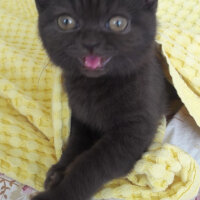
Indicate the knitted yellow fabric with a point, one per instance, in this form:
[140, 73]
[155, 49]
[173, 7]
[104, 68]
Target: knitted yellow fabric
[35, 118]
[179, 35]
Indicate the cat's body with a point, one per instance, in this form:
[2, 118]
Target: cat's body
[105, 103]
[115, 108]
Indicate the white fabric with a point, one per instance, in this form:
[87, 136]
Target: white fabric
[183, 132]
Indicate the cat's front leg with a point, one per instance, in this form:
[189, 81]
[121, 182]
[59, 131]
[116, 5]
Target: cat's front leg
[79, 141]
[113, 156]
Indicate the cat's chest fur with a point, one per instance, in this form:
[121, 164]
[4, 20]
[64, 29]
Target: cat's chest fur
[97, 102]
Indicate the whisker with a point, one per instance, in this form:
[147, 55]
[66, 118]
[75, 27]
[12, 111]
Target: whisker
[43, 71]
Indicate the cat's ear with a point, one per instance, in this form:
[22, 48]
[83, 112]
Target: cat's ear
[151, 4]
[42, 5]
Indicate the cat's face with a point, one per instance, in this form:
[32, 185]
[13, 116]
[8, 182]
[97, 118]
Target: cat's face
[97, 37]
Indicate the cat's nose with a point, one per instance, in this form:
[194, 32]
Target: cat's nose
[91, 46]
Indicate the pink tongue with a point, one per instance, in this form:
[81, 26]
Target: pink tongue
[92, 62]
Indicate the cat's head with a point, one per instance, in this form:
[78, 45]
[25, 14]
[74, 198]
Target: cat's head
[97, 37]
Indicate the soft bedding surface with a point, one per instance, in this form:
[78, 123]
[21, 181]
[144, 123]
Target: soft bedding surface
[32, 100]
[181, 131]
[12, 190]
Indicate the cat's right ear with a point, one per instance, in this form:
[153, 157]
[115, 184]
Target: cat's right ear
[42, 5]
[151, 4]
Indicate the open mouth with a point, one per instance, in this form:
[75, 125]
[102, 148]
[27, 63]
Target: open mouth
[94, 62]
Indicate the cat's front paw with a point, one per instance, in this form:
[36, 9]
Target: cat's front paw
[54, 176]
[56, 193]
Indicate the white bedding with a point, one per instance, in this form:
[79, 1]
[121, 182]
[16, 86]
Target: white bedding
[183, 132]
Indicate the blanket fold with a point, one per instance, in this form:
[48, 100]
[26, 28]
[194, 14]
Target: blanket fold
[35, 117]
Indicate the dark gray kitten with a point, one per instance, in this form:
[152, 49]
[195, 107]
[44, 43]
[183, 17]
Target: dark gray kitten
[115, 85]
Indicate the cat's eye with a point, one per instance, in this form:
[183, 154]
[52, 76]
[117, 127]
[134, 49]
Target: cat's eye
[67, 23]
[117, 24]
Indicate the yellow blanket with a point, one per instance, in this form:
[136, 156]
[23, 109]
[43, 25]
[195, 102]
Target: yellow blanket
[35, 118]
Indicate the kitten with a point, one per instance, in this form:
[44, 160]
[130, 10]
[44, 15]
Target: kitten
[115, 85]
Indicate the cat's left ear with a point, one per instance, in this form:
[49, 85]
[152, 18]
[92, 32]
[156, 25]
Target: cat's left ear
[42, 5]
[151, 4]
